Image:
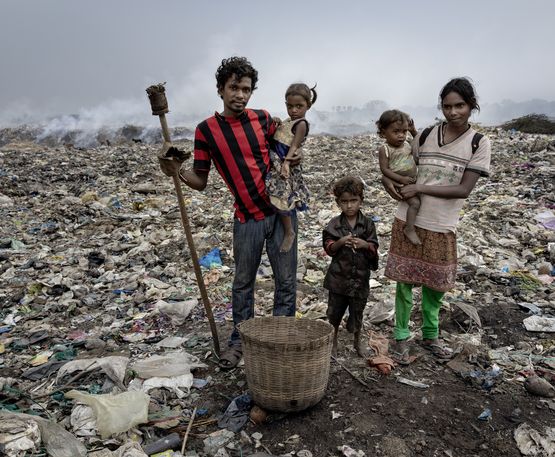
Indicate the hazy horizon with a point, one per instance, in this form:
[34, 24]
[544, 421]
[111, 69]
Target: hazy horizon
[96, 59]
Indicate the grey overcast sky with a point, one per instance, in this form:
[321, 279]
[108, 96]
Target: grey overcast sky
[77, 56]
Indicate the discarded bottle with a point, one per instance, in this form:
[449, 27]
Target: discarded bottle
[169, 442]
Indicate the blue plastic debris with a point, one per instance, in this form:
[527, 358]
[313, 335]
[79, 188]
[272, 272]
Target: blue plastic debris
[212, 259]
[123, 291]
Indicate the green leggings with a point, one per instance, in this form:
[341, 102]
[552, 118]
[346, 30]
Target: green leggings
[431, 303]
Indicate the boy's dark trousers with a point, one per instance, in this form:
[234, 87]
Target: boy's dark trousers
[338, 304]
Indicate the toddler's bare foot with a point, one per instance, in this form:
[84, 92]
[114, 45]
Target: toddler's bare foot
[412, 236]
[287, 242]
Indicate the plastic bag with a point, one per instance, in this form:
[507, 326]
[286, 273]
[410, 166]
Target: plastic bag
[115, 413]
[167, 366]
[212, 259]
[184, 381]
[531, 442]
[113, 366]
[18, 435]
[178, 311]
[58, 441]
[130, 449]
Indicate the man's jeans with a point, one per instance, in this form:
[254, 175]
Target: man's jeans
[248, 242]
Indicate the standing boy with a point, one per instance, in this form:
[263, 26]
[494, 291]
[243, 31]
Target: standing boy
[236, 141]
[350, 239]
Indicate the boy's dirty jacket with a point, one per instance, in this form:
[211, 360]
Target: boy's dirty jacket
[349, 271]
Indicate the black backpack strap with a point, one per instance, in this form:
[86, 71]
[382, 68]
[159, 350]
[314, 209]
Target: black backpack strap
[476, 141]
[424, 135]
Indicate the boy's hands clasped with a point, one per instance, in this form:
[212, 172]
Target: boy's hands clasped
[352, 242]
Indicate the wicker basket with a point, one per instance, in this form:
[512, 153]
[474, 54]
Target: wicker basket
[287, 361]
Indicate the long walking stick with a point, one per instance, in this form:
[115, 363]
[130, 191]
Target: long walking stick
[159, 105]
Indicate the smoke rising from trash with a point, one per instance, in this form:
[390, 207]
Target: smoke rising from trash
[130, 120]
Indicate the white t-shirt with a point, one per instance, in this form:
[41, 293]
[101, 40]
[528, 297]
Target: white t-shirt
[444, 165]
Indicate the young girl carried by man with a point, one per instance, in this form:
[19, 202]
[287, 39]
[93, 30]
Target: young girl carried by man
[284, 183]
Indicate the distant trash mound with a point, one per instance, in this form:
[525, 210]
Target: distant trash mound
[54, 135]
[531, 123]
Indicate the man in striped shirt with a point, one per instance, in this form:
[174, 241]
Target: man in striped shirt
[236, 141]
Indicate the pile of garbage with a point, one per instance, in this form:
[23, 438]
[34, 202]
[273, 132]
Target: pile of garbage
[104, 347]
[67, 131]
[531, 123]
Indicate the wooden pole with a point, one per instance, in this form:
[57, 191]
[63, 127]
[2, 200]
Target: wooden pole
[157, 96]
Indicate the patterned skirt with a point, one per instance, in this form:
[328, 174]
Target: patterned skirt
[432, 264]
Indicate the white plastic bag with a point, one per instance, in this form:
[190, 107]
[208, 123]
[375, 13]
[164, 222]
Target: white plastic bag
[115, 413]
[168, 365]
[18, 435]
[114, 367]
[177, 311]
[58, 441]
[184, 381]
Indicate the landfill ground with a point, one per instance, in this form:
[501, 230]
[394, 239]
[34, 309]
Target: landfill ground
[92, 256]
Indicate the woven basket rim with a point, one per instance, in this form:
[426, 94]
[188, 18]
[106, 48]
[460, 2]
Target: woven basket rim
[243, 328]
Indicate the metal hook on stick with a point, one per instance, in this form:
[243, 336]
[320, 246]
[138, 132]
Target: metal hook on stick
[159, 106]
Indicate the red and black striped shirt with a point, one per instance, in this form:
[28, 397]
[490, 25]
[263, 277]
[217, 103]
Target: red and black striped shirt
[239, 149]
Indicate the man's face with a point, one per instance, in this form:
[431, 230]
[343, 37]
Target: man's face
[236, 94]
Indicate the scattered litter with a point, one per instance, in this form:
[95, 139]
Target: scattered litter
[216, 440]
[172, 441]
[170, 364]
[336, 415]
[115, 413]
[211, 260]
[409, 382]
[237, 413]
[485, 415]
[539, 386]
[539, 324]
[98, 291]
[533, 443]
[531, 308]
[18, 434]
[348, 451]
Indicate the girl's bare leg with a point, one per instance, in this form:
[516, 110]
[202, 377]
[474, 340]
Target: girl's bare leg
[288, 233]
[412, 211]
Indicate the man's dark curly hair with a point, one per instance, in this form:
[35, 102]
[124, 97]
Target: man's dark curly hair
[349, 184]
[238, 66]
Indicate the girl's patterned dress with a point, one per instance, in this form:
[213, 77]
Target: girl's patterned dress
[291, 193]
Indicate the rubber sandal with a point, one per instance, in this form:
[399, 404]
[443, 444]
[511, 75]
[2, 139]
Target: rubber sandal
[439, 350]
[400, 352]
[230, 358]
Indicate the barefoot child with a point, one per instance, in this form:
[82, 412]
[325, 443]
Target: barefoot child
[284, 182]
[397, 161]
[350, 239]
